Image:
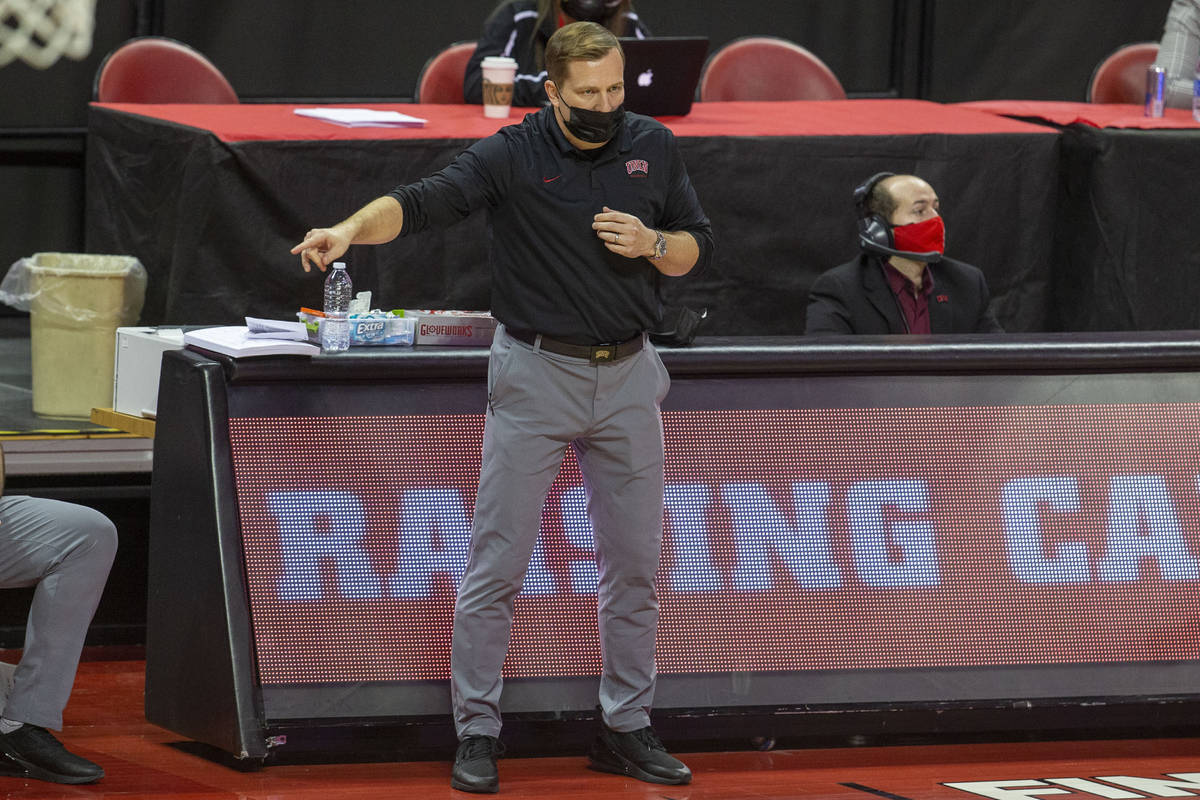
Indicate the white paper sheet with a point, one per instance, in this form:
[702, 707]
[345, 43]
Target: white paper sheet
[362, 117]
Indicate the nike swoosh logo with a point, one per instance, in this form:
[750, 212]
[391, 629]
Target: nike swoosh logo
[551, 180]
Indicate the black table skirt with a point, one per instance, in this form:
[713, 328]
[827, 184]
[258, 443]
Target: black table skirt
[213, 222]
[1128, 246]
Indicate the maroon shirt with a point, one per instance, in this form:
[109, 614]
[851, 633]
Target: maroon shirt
[914, 303]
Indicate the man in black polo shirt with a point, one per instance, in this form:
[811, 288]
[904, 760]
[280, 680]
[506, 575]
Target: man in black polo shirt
[589, 207]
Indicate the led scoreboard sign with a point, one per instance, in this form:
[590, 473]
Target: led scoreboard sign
[844, 525]
[812, 539]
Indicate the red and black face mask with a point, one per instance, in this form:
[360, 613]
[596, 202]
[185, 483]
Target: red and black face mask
[927, 236]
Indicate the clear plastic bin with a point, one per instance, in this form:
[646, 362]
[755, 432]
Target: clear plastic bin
[76, 302]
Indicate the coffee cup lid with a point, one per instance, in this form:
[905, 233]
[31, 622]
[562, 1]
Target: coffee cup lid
[499, 61]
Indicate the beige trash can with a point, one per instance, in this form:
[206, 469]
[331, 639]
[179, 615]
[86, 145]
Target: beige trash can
[77, 302]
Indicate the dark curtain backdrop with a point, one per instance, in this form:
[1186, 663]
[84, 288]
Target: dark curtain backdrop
[369, 49]
[375, 48]
[1028, 49]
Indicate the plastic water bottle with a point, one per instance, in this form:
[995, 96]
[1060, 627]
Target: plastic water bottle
[335, 328]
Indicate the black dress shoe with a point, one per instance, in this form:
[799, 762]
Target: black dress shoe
[638, 754]
[43, 757]
[475, 765]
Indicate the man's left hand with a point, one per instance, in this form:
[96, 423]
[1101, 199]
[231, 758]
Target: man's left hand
[624, 234]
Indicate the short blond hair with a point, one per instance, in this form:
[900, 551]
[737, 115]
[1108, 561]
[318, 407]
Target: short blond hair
[579, 41]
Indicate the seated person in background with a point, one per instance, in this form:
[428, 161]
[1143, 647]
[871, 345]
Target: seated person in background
[901, 283]
[1179, 50]
[519, 29]
[65, 550]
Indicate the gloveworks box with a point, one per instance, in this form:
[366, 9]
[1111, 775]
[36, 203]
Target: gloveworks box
[136, 367]
[471, 328]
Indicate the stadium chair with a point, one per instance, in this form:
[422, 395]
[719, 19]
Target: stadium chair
[441, 79]
[1121, 77]
[155, 69]
[767, 68]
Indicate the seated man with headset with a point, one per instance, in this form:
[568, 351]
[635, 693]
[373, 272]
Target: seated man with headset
[901, 283]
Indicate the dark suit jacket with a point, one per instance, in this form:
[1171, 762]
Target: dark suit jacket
[856, 298]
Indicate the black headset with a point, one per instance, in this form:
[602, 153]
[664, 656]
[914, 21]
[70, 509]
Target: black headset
[875, 232]
[590, 10]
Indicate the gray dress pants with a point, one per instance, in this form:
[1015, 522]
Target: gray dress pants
[65, 550]
[539, 404]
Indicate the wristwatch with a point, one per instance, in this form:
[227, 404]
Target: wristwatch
[660, 246]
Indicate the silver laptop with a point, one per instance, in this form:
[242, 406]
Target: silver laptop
[661, 74]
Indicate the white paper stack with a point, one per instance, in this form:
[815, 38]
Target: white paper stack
[362, 117]
[232, 340]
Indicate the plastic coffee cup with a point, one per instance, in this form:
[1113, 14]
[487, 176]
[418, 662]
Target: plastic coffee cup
[498, 76]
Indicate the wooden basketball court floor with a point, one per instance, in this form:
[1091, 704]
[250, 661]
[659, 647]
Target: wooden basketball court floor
[105, 722]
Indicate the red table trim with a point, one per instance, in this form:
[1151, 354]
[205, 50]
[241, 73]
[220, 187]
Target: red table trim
[1095, 114]
[275, 122]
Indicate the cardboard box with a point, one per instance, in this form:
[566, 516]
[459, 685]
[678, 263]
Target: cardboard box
[464, 328]
[137, 365]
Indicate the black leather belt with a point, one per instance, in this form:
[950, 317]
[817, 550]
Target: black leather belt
[597, 354]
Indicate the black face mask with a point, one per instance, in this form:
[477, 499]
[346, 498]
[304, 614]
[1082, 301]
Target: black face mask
[593, 127]
[590, 10]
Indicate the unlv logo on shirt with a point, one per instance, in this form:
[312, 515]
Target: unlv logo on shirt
[637, 167]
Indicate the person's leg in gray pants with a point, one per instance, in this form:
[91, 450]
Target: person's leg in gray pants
[621, 459]
[538, 404]
[65, 550]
